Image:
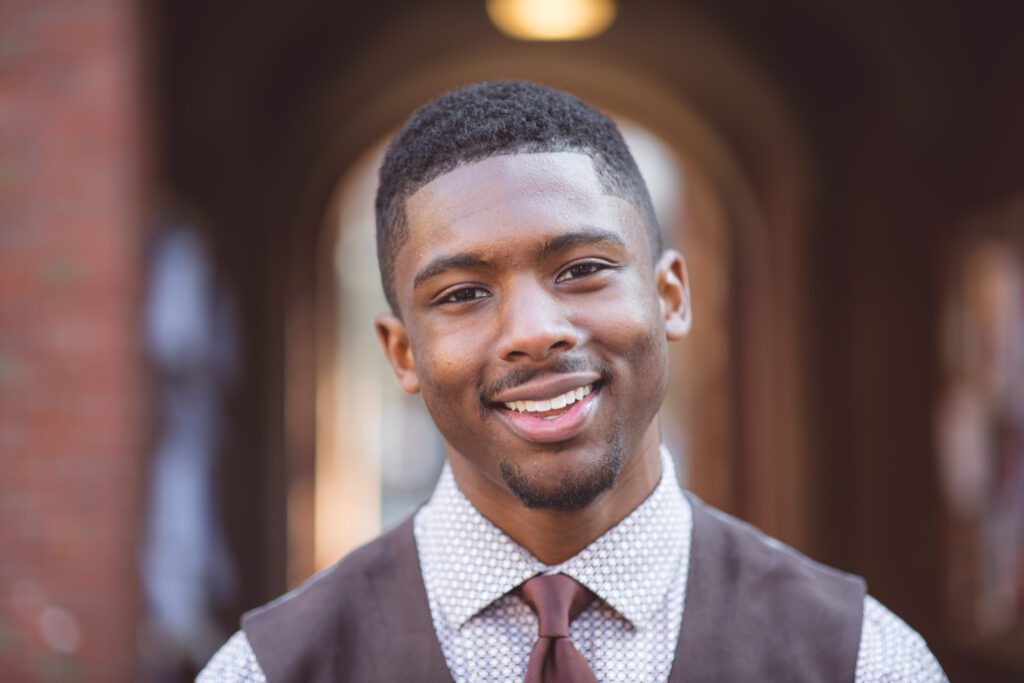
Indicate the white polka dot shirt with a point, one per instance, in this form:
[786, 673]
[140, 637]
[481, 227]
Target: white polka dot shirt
[638, 571]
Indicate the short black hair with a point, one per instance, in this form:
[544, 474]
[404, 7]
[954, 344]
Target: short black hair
[483, 120]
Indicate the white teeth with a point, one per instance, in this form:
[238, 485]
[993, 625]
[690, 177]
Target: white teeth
[556, 403]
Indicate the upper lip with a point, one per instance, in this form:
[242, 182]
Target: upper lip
[546, 387]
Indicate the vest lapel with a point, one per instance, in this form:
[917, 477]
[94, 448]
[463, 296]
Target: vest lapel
[405, 618]
[366, 619]
[696, 649]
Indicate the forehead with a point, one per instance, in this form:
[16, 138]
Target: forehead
[500, 201]
[511, 177]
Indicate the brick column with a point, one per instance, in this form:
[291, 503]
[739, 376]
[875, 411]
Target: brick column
[72, 401]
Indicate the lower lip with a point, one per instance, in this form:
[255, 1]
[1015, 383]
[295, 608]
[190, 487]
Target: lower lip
[554, 429]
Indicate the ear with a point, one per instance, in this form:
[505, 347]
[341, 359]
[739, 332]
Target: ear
[674, 294]
[394, 340]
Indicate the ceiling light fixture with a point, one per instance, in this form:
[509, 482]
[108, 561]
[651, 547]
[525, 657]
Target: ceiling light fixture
[552, 19]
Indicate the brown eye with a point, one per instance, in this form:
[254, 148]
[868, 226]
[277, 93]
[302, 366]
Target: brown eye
[465, 294]
[579, 270]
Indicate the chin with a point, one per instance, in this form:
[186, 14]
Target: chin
[567, 491]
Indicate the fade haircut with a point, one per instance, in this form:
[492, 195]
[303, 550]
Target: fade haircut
[476, 122]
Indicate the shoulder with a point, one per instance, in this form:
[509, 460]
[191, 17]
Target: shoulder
[348, 579]
[235, 662]
[747, 554]
[792, 617]
[319, 631]
[892, 651]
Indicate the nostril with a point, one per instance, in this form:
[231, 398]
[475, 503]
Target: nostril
[531, 328]
[537, 347]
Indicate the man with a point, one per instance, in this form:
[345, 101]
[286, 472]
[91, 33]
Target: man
[532, 303]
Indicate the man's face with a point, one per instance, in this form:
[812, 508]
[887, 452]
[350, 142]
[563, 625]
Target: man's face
[533, 323]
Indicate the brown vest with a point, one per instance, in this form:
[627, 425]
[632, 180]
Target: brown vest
[754, 610]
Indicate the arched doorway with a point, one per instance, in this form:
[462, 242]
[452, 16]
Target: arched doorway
[736, 382]
[390, 454]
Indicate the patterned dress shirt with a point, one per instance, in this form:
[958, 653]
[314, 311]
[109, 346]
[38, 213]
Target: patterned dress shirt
[638, 571]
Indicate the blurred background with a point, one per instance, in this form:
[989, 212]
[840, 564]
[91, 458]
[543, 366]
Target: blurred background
[194, 416]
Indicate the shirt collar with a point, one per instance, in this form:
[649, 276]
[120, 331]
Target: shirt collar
[469, 563]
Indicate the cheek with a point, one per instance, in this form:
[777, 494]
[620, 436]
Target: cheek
[631, 325]
[447, 392]
[448, 364]
[635, 333]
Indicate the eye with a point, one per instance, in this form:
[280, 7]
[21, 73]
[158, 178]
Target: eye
[463, 295]
[580, 270]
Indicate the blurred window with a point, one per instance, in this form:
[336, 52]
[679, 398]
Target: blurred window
[981, 436]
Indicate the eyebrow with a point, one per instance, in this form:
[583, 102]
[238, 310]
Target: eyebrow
[443, 264]
[577, 238]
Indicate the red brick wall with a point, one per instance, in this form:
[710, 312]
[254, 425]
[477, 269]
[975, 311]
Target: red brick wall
[71, 408]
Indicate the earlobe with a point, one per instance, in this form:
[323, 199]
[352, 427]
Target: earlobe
[394, 341]
[674, 294]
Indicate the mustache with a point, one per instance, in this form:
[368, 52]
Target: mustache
[562, 365]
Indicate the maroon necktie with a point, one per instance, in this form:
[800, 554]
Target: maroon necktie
[556, 600]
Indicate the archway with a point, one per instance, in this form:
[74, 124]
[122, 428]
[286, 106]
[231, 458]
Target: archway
[715, 105]
[737, 375]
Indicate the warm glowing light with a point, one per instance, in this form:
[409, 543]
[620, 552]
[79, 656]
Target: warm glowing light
[552, 19]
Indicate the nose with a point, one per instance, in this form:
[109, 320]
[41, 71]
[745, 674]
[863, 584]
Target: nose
[534, 325]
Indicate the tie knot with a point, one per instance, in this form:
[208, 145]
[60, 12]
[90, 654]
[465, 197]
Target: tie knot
[556, 599]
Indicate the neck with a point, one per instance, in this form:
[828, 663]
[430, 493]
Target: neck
[554, 536]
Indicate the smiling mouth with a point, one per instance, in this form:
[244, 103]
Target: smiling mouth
[550, 408]
[551, 419]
